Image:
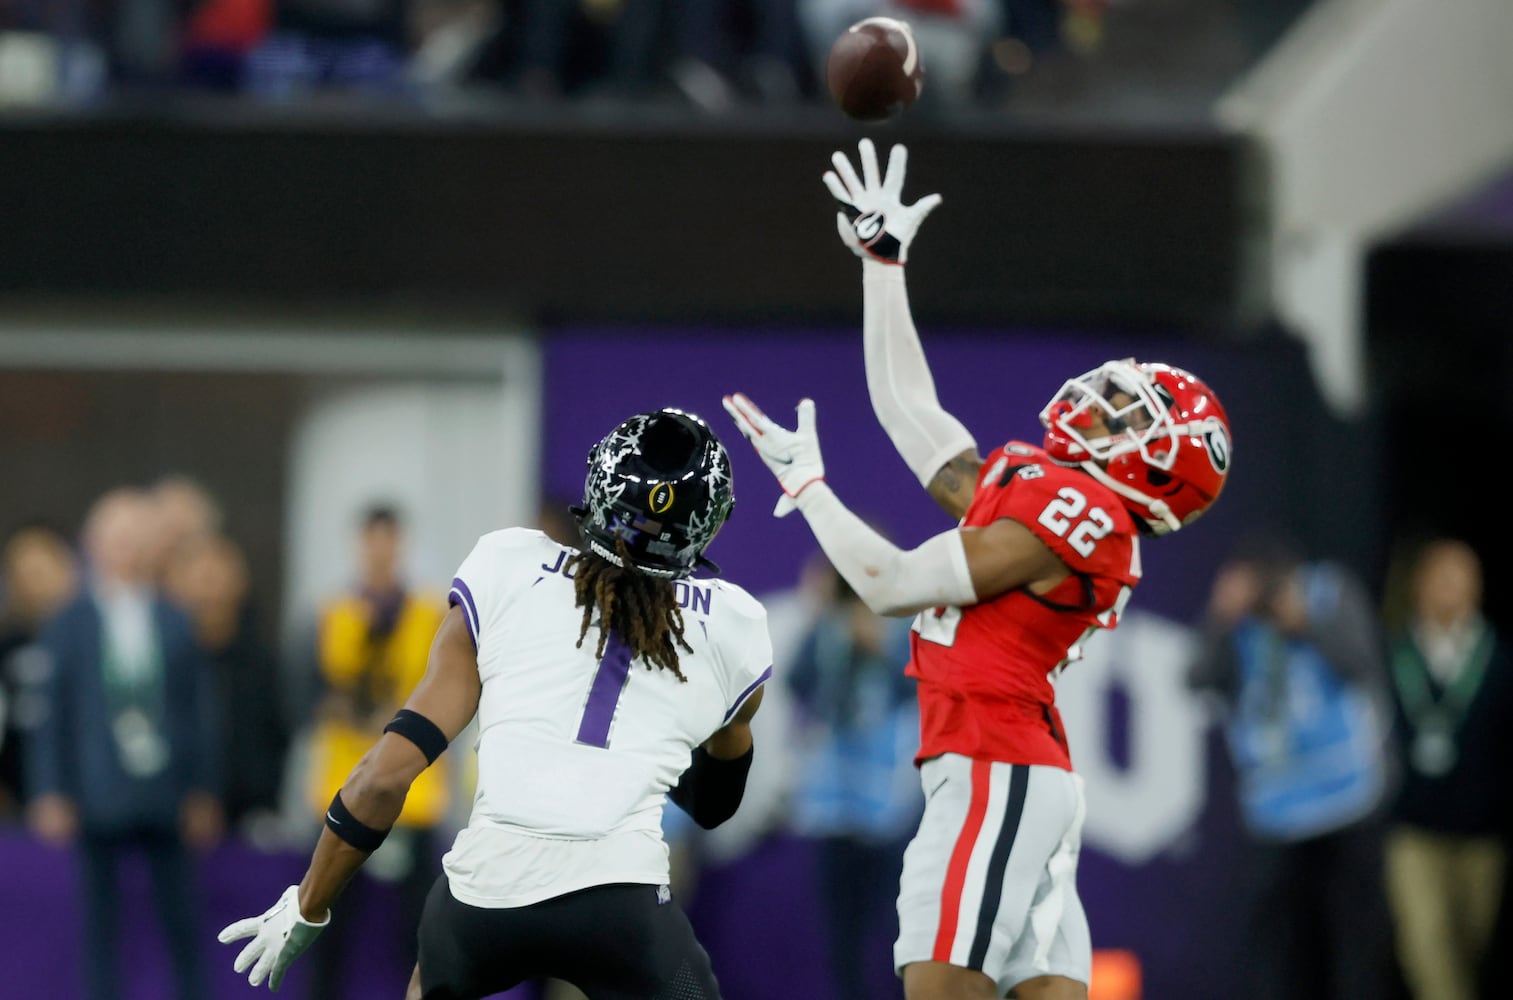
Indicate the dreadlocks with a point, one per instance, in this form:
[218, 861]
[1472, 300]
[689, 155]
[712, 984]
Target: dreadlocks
[642, 610]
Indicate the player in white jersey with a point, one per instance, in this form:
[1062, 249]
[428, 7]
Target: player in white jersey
[605, 681]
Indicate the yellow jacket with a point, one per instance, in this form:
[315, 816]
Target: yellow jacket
[381, 674]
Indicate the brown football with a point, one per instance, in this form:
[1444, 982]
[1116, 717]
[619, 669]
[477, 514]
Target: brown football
[874, 70]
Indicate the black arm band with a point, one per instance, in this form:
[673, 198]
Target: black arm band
[711, 789]
[352, 830]
[420, 731]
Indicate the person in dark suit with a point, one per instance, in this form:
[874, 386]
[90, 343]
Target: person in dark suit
[39, 576]
[124, 759]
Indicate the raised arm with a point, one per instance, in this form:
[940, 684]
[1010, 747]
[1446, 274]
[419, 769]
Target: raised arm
[878, 227]
[369, 803]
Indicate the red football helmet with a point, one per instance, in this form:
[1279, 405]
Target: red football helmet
[1162, 444]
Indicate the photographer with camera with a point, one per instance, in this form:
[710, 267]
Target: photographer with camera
[1293, 650]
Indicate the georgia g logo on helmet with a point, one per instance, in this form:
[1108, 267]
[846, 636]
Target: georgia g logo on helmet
[1216, 440]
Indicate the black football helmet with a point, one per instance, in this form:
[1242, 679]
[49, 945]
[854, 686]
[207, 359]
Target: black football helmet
[661, 483]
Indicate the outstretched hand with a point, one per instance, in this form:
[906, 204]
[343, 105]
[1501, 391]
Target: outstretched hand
[279, 936]
[874, 221]
[792, 456]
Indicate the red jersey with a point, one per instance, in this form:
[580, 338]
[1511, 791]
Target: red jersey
[984, 670]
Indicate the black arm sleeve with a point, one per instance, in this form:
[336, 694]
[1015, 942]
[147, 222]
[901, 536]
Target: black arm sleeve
[710, 790]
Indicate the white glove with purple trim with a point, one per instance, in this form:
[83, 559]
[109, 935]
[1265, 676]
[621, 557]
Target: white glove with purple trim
[279, 936]
[793, 456]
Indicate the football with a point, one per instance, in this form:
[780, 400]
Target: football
[874, 70]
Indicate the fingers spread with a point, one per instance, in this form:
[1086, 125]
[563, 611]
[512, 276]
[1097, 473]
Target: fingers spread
[843, 226]
[837, 189]
[753, 412]
[848, 175]
[868, 154]
[806, 417]
[748, 417]
[238, 930]
[262, 968]
[248, 956]
[898, 160]
[924, 205]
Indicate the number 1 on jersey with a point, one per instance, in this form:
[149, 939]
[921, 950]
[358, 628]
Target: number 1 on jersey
[604, 693]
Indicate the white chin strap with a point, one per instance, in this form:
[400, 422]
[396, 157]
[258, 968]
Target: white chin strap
[1164, 523]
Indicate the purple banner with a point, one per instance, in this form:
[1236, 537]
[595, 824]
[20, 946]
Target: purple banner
[41, 924]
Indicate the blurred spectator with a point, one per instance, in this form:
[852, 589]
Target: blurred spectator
[40, 577]
[374, 643]
[452, 42]
[857, 790]
[217, 36]
[209, 579]
[184, 511]
[125, 761]
[142, 39]
[1294, 649]
[954, 38]
[335, 45]
[604, 48]
[1446, 859]
[51, 50]
[729, 51]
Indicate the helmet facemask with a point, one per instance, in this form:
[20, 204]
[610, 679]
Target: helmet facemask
[1119, 423]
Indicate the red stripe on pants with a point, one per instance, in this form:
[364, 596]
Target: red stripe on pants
[961, 854]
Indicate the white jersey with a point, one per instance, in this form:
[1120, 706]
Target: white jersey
[576, 753]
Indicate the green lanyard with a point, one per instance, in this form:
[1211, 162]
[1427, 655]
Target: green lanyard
[134, 701]
[1435, 721]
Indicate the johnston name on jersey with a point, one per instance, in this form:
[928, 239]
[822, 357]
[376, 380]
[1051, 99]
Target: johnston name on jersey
[576, 753]
[985, 671]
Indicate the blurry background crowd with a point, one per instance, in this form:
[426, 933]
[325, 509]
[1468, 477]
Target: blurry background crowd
[300, 297]
[705, 55]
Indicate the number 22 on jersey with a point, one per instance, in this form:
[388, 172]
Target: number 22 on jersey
[1068, 516]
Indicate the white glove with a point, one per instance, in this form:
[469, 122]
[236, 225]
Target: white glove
[279, 936]
[874, 221]
[793, 456]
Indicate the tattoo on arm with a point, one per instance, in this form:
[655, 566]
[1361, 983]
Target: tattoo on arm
[955, 483]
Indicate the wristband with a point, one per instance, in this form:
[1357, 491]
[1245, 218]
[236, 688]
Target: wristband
[351, 829]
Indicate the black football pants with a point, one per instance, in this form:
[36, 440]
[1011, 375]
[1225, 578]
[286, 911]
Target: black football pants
[613, 942]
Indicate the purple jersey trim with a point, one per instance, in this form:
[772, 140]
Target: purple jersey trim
[766, 675]
[461, 595]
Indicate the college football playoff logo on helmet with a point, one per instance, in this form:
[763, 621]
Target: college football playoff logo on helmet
[660, 483]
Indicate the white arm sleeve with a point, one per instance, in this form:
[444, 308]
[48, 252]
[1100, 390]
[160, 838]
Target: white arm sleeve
[899, 380]
[888, 579]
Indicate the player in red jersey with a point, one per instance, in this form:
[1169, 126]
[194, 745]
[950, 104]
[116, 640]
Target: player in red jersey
[1045, 553]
